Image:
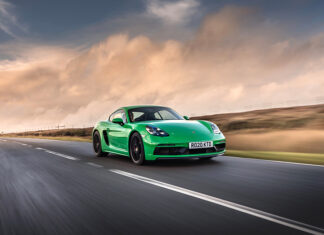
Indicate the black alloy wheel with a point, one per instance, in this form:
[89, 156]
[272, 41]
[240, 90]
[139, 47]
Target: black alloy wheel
[97, 145]
[136, 149]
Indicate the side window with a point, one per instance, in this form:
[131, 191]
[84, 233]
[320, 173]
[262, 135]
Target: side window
[112, 117]
[118, 114]
[123, 116]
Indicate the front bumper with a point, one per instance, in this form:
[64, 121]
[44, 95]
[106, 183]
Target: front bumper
[154, 151]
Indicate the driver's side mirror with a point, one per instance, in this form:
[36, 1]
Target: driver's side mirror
[118, 121]
[186, 117]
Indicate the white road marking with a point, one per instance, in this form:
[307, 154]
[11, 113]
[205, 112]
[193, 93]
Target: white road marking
[294, 163]
[58, 154]
[23, 144]
[247, 210]
[3, 140]
[297, 163]
[94, 164]
[61, 155]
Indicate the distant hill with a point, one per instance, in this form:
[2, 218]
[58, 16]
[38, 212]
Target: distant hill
[301, 117]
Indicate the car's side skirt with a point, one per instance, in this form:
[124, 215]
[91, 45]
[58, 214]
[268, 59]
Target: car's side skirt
[116, 152]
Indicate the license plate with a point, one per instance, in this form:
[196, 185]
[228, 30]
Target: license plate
[200, 145]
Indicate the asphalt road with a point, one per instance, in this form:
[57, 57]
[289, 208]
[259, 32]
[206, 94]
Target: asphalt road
[59, 187]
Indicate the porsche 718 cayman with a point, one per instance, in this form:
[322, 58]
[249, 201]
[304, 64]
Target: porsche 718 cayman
[155, 132]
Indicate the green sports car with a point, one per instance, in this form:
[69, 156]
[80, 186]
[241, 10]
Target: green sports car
[155, 132]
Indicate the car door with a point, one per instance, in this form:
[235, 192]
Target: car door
[117, 133]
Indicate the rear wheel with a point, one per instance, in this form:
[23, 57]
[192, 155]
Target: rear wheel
[136, 149]
[97, 145]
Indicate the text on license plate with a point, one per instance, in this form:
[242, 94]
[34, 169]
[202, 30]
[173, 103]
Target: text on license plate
[200, 145]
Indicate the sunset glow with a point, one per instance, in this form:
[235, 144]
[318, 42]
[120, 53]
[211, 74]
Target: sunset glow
[233, 58]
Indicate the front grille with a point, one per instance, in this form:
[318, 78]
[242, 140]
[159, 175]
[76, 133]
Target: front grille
[186, 151]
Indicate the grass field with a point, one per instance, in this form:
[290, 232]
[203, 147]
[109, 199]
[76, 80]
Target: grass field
[309, 158]
[63, 138]
[298, 140]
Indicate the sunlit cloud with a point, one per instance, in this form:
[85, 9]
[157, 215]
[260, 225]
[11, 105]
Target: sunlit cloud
[174, 12]
[234, 60]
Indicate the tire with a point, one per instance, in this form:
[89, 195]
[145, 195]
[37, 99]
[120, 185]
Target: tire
[136, 149]
[97, 145]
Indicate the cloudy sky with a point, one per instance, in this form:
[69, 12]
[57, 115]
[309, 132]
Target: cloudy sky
[74, 62]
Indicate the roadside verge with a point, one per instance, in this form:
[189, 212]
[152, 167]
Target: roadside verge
[307, 158]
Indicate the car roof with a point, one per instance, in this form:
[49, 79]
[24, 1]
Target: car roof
[139, 106]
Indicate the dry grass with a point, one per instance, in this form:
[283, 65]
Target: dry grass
[304, 141]
[308, 158]
[63, 138]
[71, 132]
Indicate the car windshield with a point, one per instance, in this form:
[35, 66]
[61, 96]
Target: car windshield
[152, 113]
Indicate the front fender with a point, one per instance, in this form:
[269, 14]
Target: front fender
[141, 129]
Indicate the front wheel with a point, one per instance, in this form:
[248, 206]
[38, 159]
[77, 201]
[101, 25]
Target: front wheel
[136, 149]
[97, 145]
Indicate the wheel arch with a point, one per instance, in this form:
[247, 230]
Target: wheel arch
[142, 159]
[94, 131]
[129, 138]
[101, 127]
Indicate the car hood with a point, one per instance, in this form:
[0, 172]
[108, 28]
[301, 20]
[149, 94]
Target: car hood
[188, 129]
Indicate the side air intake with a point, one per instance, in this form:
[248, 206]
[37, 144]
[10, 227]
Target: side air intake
[106, 137]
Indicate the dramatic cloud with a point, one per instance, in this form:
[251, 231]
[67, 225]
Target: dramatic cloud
[235, 61]
[177, 12]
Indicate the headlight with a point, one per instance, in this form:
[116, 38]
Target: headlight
[215, 128]
[156, 131]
